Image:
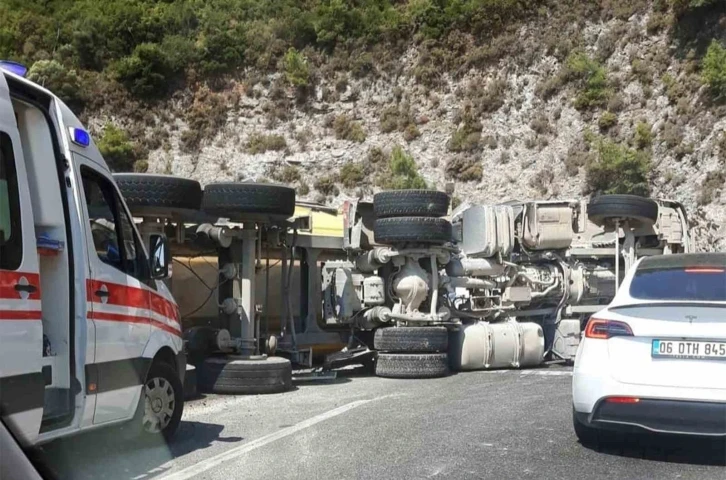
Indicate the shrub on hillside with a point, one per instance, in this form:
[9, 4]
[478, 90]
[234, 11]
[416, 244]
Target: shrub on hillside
[466, 138]
[464, 169]
[352, 175]
[714, 69]
[591, 77]
[401, 172]
[60, 80]
[145, 72]
[643, 137]
[618, 169]
[346, 128]
[117, 149]
[260, 143]
[297, 71]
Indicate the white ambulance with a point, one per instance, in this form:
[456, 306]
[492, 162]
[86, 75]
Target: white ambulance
[89, 334]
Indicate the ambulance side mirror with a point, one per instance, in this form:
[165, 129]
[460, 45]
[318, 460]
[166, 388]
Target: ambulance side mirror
[159, 256]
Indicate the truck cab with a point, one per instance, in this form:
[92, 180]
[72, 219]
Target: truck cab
[90, 336]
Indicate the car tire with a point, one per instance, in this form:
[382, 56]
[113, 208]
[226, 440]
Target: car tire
[394, 230]
[238, 375]
[245, 201]
[412, 365]
[411, 339]
[410, 203]
[631, 207]
[588, 436]
[165, 195]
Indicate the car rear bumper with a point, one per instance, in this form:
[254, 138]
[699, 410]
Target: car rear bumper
[662, 416]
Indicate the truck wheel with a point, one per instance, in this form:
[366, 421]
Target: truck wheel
[236, 375]
[163, 402]
[159, 194]
[410, 203]
[588, 436]
[240, 201]
[409, 365]
[605, 207]
[411, 339]
[394, 230]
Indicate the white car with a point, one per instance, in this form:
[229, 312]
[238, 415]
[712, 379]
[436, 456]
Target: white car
[654, 360]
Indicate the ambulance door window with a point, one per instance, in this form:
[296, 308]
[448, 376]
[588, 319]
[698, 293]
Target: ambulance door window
[11, 242]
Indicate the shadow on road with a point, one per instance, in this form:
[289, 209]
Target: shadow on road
[101, 454]
[672, 449]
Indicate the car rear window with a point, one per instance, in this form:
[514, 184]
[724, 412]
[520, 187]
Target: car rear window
[701, 283]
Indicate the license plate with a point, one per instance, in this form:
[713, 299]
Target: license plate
[689, 349]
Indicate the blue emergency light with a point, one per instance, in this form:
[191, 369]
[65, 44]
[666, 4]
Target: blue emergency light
[80, 137]
[14, 67]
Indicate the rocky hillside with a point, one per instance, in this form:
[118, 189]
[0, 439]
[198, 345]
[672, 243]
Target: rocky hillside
[567, 99]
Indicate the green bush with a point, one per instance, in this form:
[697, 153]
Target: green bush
[352, 175]
[618, 169]
[402, 172]
[117, 149]
[714, 69]
[464, 169]
[643, 137]
[607, 121]
[466, 138]
[712, 187]
[261, 143]
[297, 70]
[592, 80]
[146, 72]
[346, 128]
[326, 186]
[287, 174]
[58, 79]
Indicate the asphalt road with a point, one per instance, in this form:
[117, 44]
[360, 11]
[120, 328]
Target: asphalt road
[499, 425]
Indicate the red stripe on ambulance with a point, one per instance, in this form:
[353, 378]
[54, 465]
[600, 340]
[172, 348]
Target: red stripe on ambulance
[8, 281]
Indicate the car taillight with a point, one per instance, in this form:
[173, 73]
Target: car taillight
[622, 400]
[604, 329]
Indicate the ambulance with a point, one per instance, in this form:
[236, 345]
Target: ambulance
[90, 336]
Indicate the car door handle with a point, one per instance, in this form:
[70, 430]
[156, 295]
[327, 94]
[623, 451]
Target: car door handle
[101, 293]
[25, 288]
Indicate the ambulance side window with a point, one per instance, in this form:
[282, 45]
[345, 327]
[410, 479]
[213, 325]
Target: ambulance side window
[111, 228]
[11, 242]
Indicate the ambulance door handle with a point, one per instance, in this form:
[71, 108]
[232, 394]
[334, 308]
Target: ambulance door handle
[25, 288]
[102, 293]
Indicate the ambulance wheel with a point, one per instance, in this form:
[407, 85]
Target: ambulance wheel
[247, 201]
[163, 402]
[239, 375]
[162, 195]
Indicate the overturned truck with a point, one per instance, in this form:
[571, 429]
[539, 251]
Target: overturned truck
[490, 286]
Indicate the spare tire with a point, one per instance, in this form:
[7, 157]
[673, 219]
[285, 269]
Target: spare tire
[631, 207]
[149, 194]
[410, 203]
[239, 375]
[410, 365]
[411, 339]
[412, 230]
[248, 201]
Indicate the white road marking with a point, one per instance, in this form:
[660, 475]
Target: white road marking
[235, 452]
[553, 373]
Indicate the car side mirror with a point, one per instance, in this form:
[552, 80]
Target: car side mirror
[159, 256]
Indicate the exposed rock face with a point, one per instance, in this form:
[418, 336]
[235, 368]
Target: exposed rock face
[524, 144]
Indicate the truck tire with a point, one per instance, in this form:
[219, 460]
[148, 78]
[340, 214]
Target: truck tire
[411, 339]
[394, 230]
[605, 207]
[240, 201]
[410, 203]
[190, 383]
[163, 403]
[412, 365]
[237, 375]
[145, 193]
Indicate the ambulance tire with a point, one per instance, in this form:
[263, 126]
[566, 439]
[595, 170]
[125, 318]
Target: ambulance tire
[410, 203]
[412, 365]
[396, 230]
[238, 201]
[151, 194]
[241, 376]
[411, 339]
[640, 210]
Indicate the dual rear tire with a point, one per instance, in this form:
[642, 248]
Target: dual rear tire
[412, 352]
